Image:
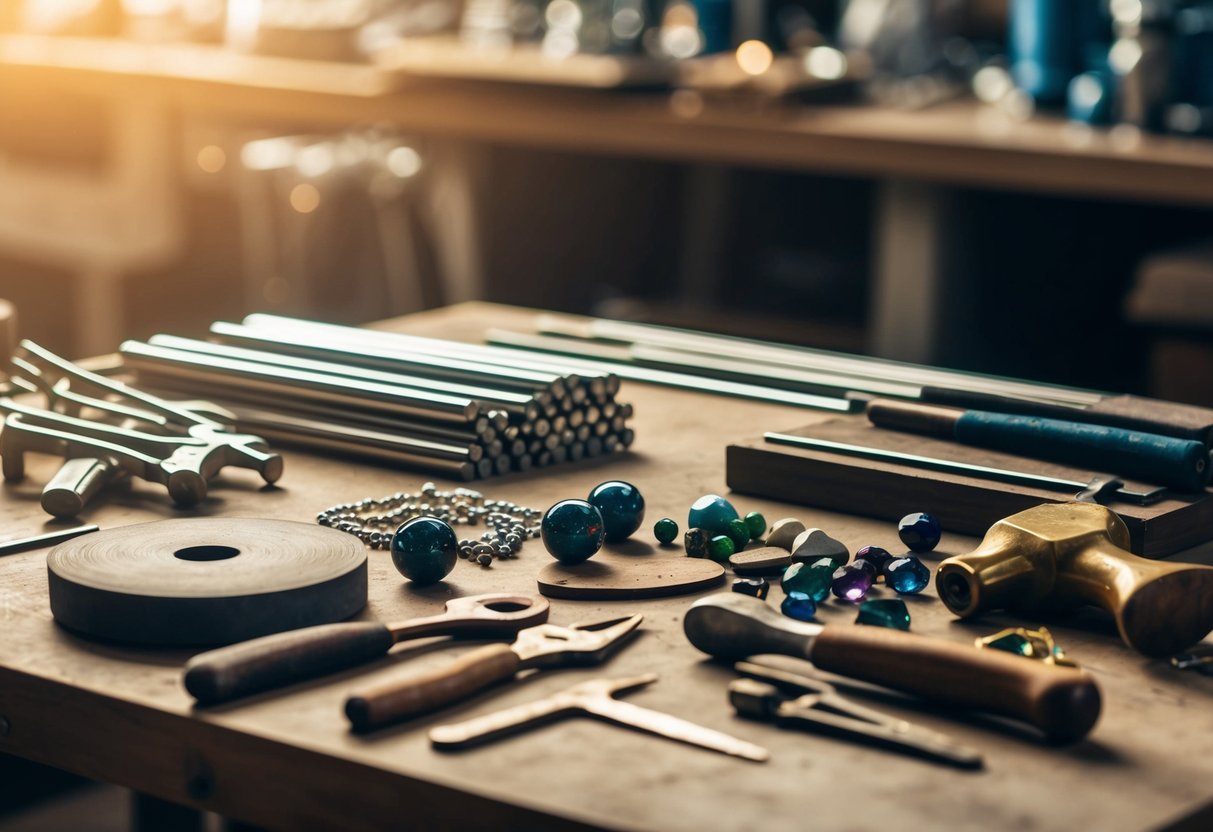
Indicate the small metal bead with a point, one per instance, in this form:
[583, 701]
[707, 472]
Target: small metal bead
[484, 559]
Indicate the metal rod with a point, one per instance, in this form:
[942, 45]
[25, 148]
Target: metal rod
[25, 544]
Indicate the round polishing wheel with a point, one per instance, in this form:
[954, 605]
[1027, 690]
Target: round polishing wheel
[205, 581]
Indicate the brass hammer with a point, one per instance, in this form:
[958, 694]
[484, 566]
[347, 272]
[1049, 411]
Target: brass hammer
[1060, 556]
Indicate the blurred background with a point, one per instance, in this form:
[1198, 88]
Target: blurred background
[1015, 186]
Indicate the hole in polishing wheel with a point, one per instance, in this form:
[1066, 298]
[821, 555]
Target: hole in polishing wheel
[956, 592]
[206, 552]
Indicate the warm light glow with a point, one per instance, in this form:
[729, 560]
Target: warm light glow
[315, 160]
[243, 19]
[991, 83]
[825, 62]
[212, 159]
[1124, 55]
[267, 154]
[403, 161]
[754, 57]
[305, 198]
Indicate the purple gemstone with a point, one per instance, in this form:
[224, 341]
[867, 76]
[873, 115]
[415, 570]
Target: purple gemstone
[852, 582]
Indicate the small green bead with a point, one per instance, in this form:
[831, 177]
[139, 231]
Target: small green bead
[739, 532]
[720, 547]
[696, 543]
[665, 530]
[756, 523]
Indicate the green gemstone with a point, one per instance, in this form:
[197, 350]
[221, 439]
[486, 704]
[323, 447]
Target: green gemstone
[665, 530]
[739, 532]
[885, 612]
[720, 547]
[1013, 643]
[696, 543]
[813, 579]
[756, 523]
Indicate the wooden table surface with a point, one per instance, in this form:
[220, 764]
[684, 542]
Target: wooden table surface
[961, 142]
[288, 760]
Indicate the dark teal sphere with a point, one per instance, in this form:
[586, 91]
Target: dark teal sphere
[712, 513]
[621, 506]
[425, 550]
[665, 530]
[572, 531]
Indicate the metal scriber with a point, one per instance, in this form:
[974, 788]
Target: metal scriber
[595, 698]
[817, 706]
[535, 647]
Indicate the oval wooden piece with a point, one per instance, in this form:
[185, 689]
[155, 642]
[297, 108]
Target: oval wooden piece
[618, 579]
[205, 581]
[768, 560]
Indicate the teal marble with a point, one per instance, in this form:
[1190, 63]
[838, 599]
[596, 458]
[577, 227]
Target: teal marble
[711, 513]
[813, 579]
[884, 612]
[425, 550]
[622, 507]
[757, 524]
[572, 531]
[665, 530]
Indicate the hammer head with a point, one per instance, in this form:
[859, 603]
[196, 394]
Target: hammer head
[1065, 555]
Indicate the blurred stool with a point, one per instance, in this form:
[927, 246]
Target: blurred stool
[1172, 297]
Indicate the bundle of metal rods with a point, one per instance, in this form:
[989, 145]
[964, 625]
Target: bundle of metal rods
[463, 410]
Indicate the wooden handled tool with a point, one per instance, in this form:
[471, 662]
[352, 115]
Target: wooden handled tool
[1064, 703]
[280, 659]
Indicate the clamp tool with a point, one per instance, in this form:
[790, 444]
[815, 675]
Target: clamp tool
[137, 434]
[767, 694]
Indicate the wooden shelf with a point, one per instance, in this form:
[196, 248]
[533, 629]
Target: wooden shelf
[960, 143]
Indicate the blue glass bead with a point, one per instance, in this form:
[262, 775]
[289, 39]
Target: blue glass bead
[572, 531]
[919, 532]
[665, 530]
[696, 543]
[720, 547]
[813, 579]
[852, 582]
[907, 575]
[757, 587]
[799, 606]
[621, 506]
[739, 532]
[425, 550]
[875, 556]
[711, 513]
[885, 612]
[756, 523]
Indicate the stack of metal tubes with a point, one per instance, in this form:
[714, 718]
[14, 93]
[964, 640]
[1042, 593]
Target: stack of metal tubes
[466, 411]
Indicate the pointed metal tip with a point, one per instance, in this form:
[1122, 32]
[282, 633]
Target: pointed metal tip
[624, 623]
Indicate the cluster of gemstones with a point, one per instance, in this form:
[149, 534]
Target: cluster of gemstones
[574, 530]
[714, 529]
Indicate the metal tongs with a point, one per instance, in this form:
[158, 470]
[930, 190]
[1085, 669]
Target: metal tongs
[817, 706]
[136, 434]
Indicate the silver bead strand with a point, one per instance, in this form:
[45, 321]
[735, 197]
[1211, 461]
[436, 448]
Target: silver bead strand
[374, 521]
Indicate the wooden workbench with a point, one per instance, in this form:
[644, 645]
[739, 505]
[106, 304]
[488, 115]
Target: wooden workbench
[288, 760]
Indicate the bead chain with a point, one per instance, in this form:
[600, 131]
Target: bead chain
[375, 521]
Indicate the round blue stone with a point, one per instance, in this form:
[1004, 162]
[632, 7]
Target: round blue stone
[572, 531]
[798, 605]
[665, 530]
[621, 506]
[425, 550]
[919, 532]
[712, 513]
[907, 575]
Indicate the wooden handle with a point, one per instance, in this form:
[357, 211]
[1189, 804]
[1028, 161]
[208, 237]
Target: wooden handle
[277, 660]
[373, 707]
[1062, 702]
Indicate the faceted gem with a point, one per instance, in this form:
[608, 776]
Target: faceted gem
[758, 587]
[919, 532]
[852, 582]
[875, 556]
[739, 532]
[907, 575]
[1013, 643]
[756, 523]
[814, 543]
[621, 506]
[711, 513]
[799, 606]
[425, 550]
[885, 612]
[783, 533]
[813, 579]
[572, 531]
[720, 547]
[665, 530]
[695, 541]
